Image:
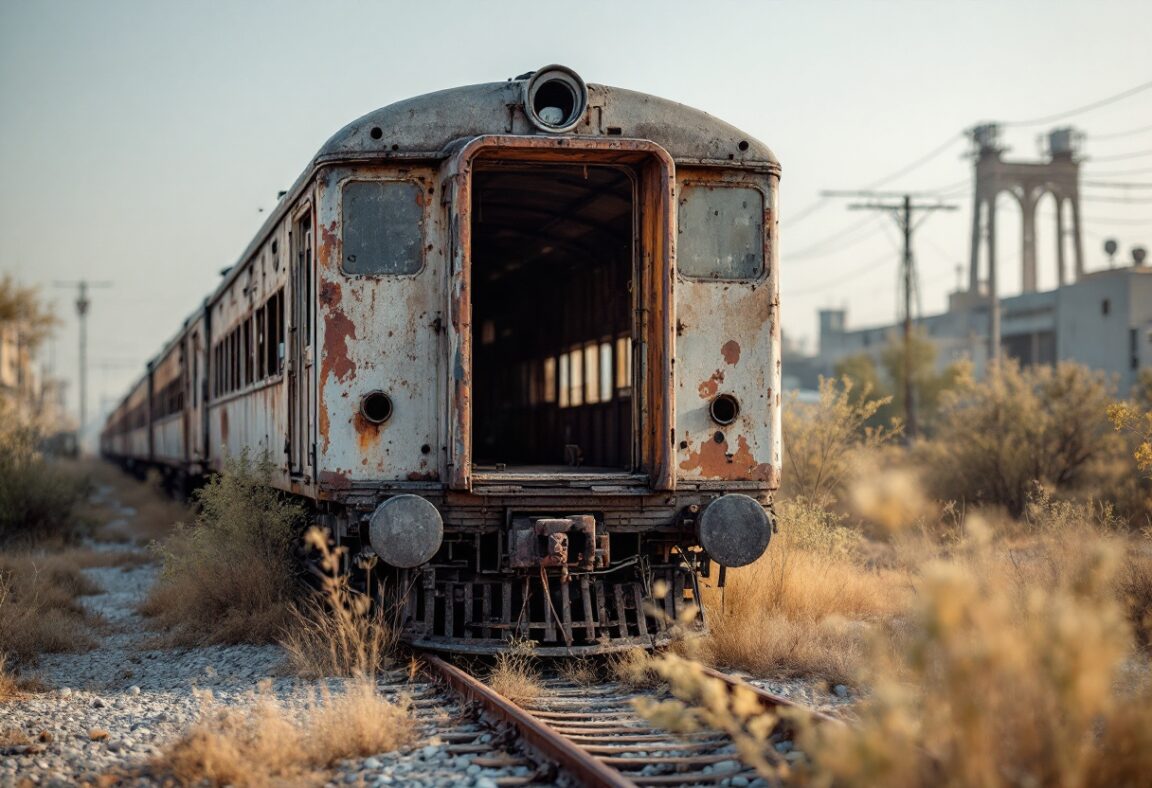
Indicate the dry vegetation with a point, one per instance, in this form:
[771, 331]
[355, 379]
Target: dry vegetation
[230, 577]
[515, 675]
[1002, 633]
[266, 743]
[337, 632]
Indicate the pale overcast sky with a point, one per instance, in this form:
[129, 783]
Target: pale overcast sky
[140, 138]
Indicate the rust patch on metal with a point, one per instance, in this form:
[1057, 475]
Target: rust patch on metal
[714, 461]
[334, 480]
[426, 476]
[709, 387]
[731, 352]
[338, 329]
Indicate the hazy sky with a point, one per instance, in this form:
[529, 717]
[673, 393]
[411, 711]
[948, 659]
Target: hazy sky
[138, 140]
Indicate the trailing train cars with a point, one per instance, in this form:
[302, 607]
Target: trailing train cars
[517, 344]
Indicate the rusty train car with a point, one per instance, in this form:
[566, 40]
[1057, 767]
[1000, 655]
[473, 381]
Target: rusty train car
[517, 344]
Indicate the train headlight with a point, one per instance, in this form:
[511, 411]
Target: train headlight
[555, 98]
[406, 531]
[734, 530]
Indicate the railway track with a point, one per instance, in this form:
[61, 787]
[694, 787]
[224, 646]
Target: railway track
[594, 737]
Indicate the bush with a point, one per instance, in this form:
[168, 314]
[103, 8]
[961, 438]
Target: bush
[38, 608]
[230, 577]
[337, 632]
[996, 438]
[805, 606]
[823, 441]
[37, 495]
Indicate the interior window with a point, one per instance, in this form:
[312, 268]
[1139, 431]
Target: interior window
[383, 227]
[721, 232]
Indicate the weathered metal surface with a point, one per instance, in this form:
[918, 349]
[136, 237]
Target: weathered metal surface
[728, 343]
[380, 332]
[734, 530]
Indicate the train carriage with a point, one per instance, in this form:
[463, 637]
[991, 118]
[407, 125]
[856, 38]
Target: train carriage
[517, 344]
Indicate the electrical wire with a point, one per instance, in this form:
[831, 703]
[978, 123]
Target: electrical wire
[1115, 198]
[1120, 156]
[820, 248]
[1116, 185]
[904, 170]
[1118, 134]
[1080, 110]
[846, 277]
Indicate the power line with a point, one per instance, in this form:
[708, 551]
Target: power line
[1079, 110]
[846, 277]
[1120, 156]
[1118, 134]
[819, 249]
[1115, 198]
[927, 157]
[1122, 173]
[1116, 184]
[902, 213]
[904, 170]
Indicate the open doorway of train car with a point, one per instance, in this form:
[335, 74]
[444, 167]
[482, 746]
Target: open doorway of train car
[553, 269]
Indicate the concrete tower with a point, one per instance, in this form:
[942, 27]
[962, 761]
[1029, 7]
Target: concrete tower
[1027, 182]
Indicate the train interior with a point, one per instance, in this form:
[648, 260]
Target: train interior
[552, 289]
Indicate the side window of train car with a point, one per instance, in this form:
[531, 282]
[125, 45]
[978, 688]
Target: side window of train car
[383, 227]
[721, 232]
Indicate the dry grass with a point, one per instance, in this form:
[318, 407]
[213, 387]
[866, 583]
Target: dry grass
[37, 494]
[806, 606]
[515, 675]
[1005, 660]
[230, 577]
[267, 744]
[633, 668]
[38, 608]
[579, 670]
[337, 632]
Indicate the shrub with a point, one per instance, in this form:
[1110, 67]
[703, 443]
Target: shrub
[805, 607]
[998, 675]
[823, 441]
[996, 438]
[515, 675]
[997, 683]
[38, 608]
[337, 632]
[267, 743]
[230, 577]
[37, 495]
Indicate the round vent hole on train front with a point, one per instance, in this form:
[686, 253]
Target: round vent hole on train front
[376, 132]
[724, 409]
[376, 407]
[743, 146]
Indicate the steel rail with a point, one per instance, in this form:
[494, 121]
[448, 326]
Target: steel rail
[583, 767]
[597, 752]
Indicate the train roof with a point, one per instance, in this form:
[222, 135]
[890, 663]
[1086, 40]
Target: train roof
[426, 126]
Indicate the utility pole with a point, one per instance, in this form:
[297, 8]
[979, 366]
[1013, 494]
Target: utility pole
[902, 213]
[82, 304]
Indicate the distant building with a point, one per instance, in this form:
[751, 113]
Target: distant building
[1103, 320]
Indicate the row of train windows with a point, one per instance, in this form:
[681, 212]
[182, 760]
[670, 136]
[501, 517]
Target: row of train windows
[591, 374]
[169, 399]
[252, 351]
